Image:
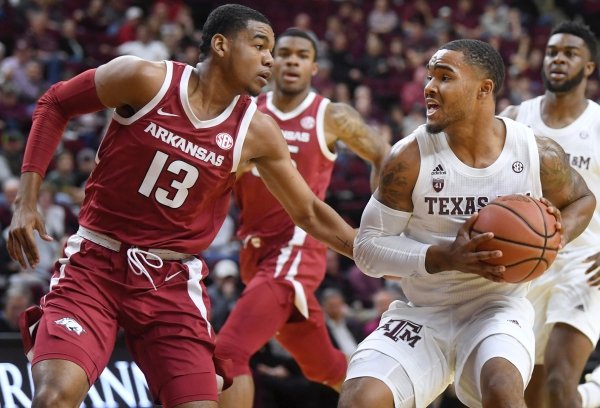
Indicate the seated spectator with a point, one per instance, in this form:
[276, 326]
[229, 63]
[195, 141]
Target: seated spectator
[144, 46]
[11, 154]
[16, 300]
[224, 291]
[345, 332]
[382, 300]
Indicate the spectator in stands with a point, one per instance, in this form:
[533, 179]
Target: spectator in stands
[63, 178]
[382, 299]
[11, 154]
[345, 332]
[16, 300]
[144, 46]
[224, 292]
[10, 187]
[382, 19]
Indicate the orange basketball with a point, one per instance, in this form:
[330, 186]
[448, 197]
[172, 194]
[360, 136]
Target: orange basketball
[525, 233]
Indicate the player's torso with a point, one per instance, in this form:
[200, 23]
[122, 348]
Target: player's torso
[163, 178]
[303, 130]
[448, 192]
[581, 142]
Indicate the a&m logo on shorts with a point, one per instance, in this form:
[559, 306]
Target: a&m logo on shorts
[404, 330]
[225, 141]
[71, 325]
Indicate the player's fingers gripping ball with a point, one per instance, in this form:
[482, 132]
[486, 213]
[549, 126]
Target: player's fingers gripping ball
[524, 231]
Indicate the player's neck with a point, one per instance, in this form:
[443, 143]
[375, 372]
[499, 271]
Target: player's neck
[560, 109]
[287, 102]
[477, 143]
[209, 92]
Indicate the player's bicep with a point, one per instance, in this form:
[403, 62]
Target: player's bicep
[399, 175]
[561, 184]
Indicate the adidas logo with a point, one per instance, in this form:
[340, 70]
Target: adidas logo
[580, 308]
[515, 322]
[438, 170]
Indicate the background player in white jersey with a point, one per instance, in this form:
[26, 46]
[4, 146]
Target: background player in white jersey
[462, 323]
[566, 298]
[158, 196]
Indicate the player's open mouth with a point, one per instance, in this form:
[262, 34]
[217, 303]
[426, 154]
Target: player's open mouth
[288, 76]
[432, 107]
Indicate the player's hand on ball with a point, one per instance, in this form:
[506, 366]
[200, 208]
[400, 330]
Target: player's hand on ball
[556, 213]
[464, 256]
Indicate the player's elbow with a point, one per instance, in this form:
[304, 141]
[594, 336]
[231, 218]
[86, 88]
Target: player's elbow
[361, 254]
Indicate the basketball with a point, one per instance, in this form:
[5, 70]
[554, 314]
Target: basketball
[525, 233]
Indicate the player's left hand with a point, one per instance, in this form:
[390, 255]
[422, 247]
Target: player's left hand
[593, 271]
[559, 224]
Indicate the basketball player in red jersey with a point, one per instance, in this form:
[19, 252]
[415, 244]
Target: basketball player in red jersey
[158, 196]
[280, 264]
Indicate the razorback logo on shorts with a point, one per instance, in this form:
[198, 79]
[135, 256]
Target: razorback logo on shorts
[71, 325]
[404, 330]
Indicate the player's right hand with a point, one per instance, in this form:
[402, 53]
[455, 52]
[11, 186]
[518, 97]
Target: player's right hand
[464, 256]
[21, 239]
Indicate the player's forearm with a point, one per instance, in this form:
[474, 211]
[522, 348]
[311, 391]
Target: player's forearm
[327, 226]
[577, 215]
[29, 187]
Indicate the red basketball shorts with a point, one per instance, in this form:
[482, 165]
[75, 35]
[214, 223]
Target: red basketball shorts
[94, 292]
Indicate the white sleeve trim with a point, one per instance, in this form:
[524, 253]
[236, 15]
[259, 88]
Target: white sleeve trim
[381, 248]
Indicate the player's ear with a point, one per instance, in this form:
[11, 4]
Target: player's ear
[219, 44]
[486, 88]
[590, 66]
[315, 69]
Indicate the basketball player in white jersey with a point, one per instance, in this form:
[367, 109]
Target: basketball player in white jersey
[462, 323]
[566, 298]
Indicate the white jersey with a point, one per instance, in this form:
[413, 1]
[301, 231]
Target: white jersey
[581, 142]
[447, 192]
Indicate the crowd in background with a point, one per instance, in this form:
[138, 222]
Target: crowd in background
[372, 55]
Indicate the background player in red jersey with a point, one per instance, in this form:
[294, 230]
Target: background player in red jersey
[281, 265]
[158, 196]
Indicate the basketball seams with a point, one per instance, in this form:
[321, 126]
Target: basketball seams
[523, 265]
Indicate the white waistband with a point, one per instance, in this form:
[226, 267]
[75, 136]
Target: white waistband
[115, 245]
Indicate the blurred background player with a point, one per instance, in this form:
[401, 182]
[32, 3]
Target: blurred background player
[566, 297]
[280, 264]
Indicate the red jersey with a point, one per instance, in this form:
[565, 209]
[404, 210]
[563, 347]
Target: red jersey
[164, 177]
[303, 128]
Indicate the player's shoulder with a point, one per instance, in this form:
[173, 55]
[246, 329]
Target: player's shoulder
[511, 112]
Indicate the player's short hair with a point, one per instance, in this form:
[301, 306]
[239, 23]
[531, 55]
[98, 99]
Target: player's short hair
[296, 32]
[228, 20]
[579, 30]
[483, 56]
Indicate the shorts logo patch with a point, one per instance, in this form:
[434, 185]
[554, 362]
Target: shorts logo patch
[404, 330]
[71, 325]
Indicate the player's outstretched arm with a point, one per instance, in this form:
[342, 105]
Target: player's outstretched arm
[266, 148]
[343, 122]
[566, 190]
[126, 82]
